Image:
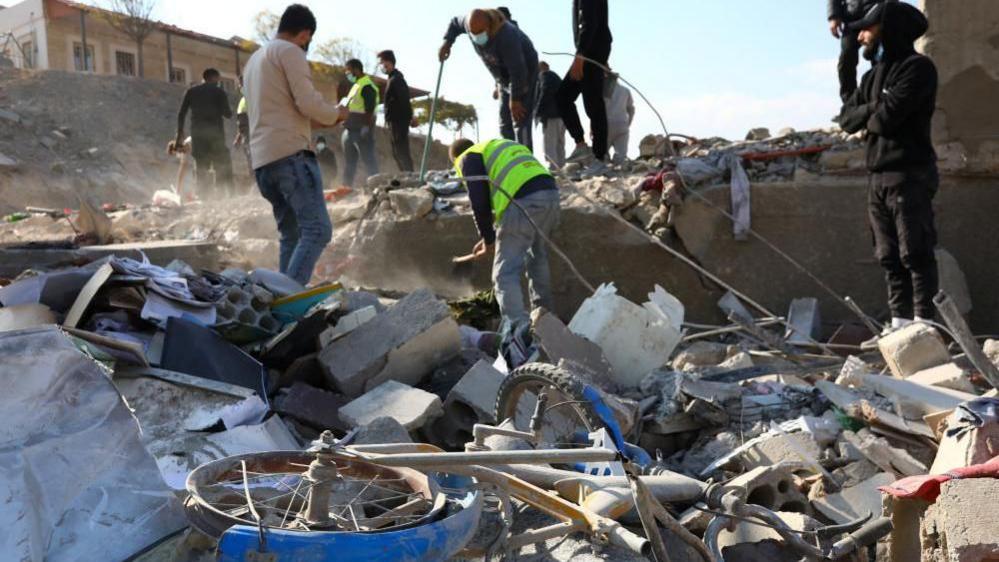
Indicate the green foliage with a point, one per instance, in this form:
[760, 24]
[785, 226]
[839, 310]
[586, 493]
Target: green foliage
[451, 115]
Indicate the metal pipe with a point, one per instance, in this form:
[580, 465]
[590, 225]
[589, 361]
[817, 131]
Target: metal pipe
[481, 432]
[542, 456]
[430, 125]
[959, 329]
[535, 536]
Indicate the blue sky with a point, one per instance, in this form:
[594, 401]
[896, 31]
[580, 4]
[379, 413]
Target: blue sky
[711, 67]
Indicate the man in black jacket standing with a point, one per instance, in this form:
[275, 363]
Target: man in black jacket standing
[843, 13]
[591, 32]
[895, 105]
[209, 105]
[398, 110]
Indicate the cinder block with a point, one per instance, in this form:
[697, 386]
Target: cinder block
[403, 344]
[409, 406]
[913, 348]
[773, 488]
[475, 394]
[949, 375]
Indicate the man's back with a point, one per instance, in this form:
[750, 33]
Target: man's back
[282, 102]
[209, 105]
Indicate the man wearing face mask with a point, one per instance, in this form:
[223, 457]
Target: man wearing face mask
[842, 14]
[359, 130]
[283, 104]
[894, 105]
[510, 57]
[398, 111]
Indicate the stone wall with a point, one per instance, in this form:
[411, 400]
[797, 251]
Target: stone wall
[963, 40]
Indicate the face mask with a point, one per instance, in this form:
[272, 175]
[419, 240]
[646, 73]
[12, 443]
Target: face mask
[321, 147]
[382, 68]
[480, 39]
[351, 78]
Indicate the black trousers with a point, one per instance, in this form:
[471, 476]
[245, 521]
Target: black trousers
[592, 89]
[400, 146]
[900, 209]
[849, 57]
[211, 152]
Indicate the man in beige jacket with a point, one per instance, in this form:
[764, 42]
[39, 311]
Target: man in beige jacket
[283, 104]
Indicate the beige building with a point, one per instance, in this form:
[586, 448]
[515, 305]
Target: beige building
[55, 34]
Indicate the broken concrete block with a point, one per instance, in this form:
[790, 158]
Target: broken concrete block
[409, 406]
[346, 324]
[949, 375]
[855, 502]
[560, 344]
[412, 203]
[748, 541]
[805, 319]
[965, 443]
[915, 400]
[758, 134]
[312, 406]
[473, 399]
[961, 526]
[700, 354]
[741, 360]
[773, 488]
[634, 339]
[404, 344]
[889, 459]
[780, 448]
[380, 431]
[913, 348]
[349, 210]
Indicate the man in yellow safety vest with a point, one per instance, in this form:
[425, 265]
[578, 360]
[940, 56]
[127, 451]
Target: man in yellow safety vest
[359, 130]
[509, 189]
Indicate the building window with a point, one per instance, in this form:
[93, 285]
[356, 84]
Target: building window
[229, 85]
[178, 76]
[125, 63]
[78, 62]
[28, 50]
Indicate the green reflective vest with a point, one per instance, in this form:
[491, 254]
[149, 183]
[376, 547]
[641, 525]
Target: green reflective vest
[355, 101]
[510, 166]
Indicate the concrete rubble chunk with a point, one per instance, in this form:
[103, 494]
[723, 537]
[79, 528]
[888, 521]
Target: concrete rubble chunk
[700, 354]
[772, 487]
[404, 344]
[780, 448]
[758, 134]
[749, 542]
[312, 406]
[854, 502]
[966, 444]
[559, 343]
[347, 324]
[882, 454]
[412, 203]
[409, 406]
[950, 375]
[914, 399]
[380, 431]
[961, 526]
[350, 210]
[6, 162]
[913, 348]
[473, 399]
[991, 349]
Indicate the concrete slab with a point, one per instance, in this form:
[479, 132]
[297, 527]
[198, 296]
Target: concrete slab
[961, 526]
[780, 448]
[381, 431]
[856, 502]
[317, 408]
[403, 344]
[409, 406]
[475, 394]
[912, 349]
[950, 375]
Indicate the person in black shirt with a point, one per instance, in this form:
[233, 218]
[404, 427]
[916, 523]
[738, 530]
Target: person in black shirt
[208, 105]
[398, 111]
[894, 105]
[842, 13]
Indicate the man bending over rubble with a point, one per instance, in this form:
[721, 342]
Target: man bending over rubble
[494, 172]
[895, 105]
[283, 103]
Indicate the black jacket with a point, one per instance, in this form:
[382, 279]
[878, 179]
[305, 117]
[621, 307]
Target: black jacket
[850, 10]
[208, 104]
[548, 85]
[896, 98]
[509, 56]
[591, 30]
[398, 108]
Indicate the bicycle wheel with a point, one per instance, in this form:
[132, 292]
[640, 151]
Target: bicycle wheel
[568, 414]
[281, 490]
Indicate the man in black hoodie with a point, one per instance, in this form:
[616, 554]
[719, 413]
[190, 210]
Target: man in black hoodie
[895, 105]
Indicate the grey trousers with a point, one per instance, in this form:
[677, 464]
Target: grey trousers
[617, 140]
[554, 133]
[520, 250]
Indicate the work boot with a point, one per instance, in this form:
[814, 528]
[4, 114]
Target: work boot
[582, 153]
[596, 168]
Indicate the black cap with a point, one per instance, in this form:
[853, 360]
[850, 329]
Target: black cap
[873, 17]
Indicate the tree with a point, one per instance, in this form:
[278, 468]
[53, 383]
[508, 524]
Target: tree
[132, 17]
[451, 115]
[336, 52]
[265, 25]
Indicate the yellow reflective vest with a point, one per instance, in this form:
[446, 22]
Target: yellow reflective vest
[355, 101]
[509, 165]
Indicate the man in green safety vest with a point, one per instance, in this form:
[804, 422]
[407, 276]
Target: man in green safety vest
[359, 130]
[509, 190]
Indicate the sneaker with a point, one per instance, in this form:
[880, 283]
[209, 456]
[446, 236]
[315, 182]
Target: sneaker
[897, 324]
[596, 168]
[582, 153]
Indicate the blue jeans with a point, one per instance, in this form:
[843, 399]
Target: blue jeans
[519, 250]
[294, 187]
[358, 143]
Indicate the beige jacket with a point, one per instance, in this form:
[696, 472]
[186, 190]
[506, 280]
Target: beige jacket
[282, 102]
